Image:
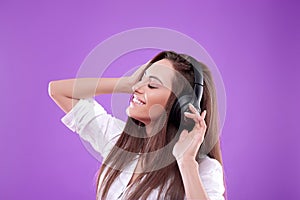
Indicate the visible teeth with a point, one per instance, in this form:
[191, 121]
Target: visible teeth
[135, 100]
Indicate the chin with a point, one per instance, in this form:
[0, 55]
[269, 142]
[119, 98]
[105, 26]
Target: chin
[133, 115]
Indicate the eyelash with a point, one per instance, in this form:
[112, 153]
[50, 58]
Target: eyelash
[151, 87]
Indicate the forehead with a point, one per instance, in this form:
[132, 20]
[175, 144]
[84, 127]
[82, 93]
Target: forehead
[162, 69]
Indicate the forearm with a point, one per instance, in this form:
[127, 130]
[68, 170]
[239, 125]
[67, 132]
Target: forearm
[67, 93]
[88, 87]
[193, 186]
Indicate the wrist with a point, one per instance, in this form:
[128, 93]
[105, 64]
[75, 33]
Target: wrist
[187, 162]
[124, 85]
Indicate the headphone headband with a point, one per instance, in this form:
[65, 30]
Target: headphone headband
[198, 80]
[181, 105]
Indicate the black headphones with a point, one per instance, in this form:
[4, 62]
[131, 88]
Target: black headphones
[181, 105]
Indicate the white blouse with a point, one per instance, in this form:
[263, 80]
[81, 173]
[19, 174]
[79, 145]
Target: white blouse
[93, 124]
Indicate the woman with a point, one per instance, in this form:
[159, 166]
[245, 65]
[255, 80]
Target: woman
[157, 153]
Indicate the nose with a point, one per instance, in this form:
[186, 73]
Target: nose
[139, 86]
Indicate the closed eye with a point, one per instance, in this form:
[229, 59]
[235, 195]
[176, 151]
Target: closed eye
[151, 86]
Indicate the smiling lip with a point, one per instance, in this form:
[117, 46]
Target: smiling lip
[136, 100]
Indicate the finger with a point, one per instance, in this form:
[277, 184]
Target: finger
[193, 109]
[192, 116]
[203, 114]
[196, 116]
[148, 62]
[201, 120]
[198, 119]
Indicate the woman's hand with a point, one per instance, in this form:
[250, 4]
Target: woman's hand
[124, 84]
[134, 78]
[187, 146]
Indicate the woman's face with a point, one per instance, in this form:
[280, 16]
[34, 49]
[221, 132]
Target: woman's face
[152, 92]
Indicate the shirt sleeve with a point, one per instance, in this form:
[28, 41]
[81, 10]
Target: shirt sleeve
[93, 124]
[211, 174]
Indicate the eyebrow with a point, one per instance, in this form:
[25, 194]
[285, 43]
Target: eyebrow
[154, 78]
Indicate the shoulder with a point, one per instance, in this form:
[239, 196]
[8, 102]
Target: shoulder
[91, 121]
[209, 165]
[211, 174]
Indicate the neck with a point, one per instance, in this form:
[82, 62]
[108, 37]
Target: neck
[149, 128]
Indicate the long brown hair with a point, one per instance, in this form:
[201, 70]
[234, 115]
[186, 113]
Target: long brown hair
[160, 167]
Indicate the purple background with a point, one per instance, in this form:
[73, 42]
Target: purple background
[254, 45]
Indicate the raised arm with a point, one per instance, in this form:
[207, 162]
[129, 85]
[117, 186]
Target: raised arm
[66, 93]
[185, 152]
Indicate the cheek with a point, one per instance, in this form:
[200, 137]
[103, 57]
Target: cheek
[157, 112]
[157, 105]
[159, 98]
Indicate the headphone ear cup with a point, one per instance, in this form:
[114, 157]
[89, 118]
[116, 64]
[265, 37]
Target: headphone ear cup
[178, 109]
